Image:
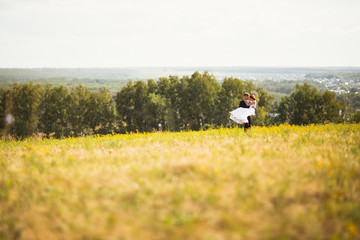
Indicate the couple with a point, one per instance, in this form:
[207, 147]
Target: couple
[245, 111]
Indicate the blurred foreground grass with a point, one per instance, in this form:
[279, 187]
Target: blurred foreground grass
[286, 182]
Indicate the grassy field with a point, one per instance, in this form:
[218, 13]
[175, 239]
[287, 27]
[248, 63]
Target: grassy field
[286, 182]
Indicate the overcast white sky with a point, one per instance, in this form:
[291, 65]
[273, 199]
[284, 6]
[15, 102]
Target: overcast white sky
[117, 33]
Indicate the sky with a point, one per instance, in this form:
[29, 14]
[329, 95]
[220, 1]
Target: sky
[147, 33]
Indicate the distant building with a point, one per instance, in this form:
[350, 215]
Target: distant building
[339, 91]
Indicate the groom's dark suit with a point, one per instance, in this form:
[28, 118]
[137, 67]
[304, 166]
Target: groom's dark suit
[243, 105]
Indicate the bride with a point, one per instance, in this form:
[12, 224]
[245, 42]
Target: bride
[240, 114]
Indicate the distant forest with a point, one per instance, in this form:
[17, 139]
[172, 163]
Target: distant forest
[114, 79]
[172, 103]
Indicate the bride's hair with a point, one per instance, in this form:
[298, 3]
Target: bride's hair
[253, 97]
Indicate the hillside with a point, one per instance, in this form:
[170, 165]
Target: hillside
[286, 182]
[274, 79]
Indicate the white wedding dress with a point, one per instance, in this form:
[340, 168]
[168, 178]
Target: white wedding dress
[240, 114]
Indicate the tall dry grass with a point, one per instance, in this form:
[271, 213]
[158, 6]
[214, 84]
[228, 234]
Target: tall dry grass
[286, 182]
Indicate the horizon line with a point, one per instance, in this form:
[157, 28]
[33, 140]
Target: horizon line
[213, 66]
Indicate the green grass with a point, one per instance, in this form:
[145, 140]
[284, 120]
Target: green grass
[287, 182]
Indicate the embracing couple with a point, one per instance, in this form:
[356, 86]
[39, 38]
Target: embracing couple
[246, 109]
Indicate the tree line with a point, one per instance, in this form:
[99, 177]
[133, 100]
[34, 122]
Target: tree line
[173, 104]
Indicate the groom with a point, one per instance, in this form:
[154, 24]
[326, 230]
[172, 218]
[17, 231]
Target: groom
[247, 126]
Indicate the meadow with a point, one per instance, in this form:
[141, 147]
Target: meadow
[280, 182]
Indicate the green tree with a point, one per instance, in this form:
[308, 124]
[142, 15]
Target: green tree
[264, 101]
[53, 110]
[152, 86]
[355, 117]
[330, 108]
[249, 86]
[163, 86]
[305, 105]
[283, 110]
[198, 99]
[26, 99]
[78, 103]
[131, 103]
[229, 97]
[263, 98]
[125, 106]
[155, 109]
[350, 105]
[140, 100]
[101, 112]
[169, 89]
[8, 107]
[2, 109]
[260, 118]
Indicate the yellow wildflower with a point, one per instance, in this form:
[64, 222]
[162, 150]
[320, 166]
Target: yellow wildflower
[352, 229]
